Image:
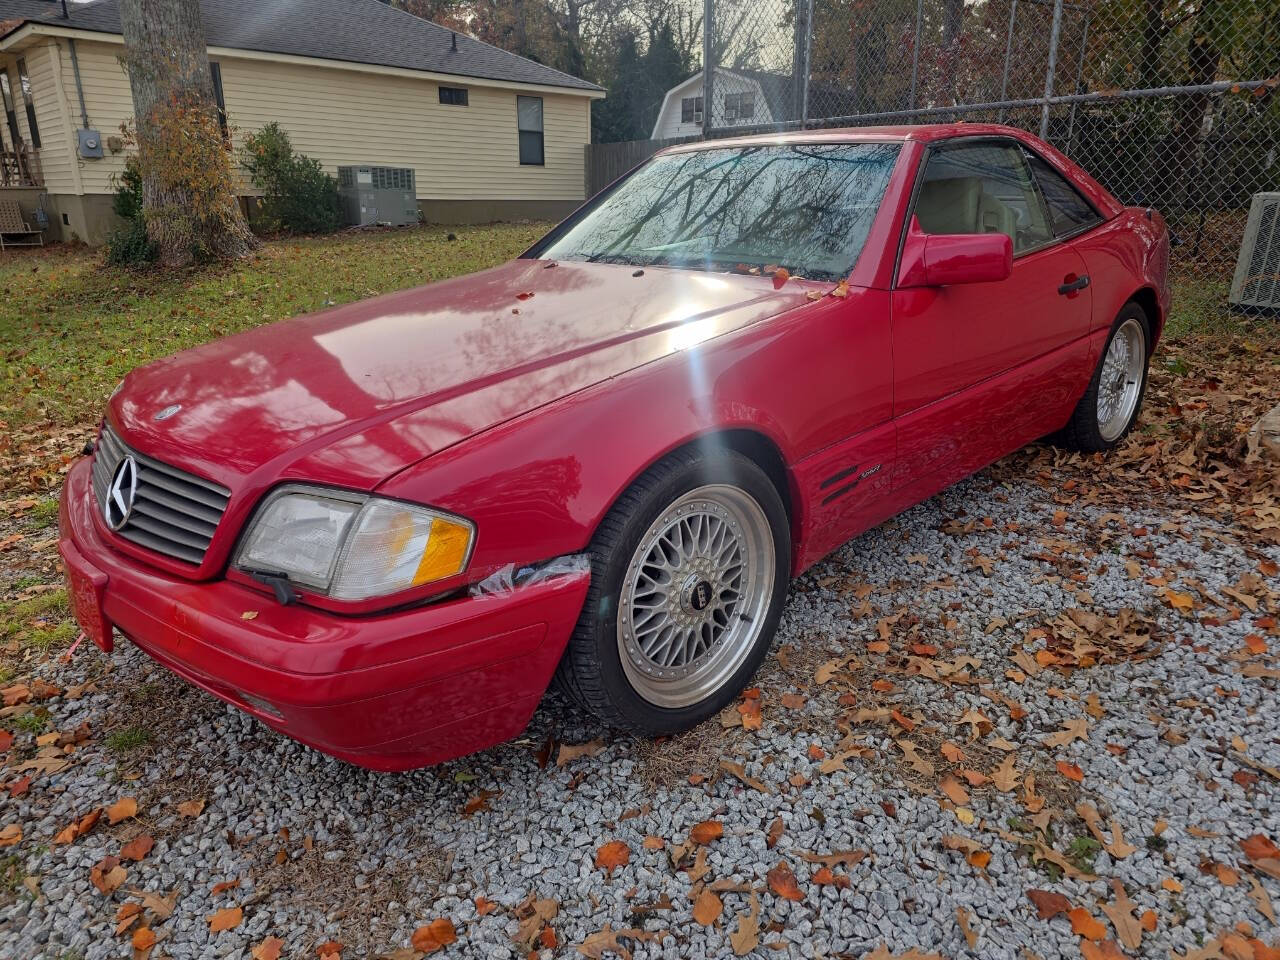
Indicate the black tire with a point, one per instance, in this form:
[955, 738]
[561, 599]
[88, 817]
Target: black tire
[591, 671]
[1083, 431]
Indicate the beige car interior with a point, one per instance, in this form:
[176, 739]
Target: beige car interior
[961, 205]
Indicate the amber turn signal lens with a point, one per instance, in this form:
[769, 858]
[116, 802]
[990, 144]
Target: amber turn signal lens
[445, 553]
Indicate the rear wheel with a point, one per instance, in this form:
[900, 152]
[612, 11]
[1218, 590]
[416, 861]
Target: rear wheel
[689, 575]
[1110, 406]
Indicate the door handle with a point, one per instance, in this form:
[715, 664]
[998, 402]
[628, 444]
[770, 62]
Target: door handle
[1072, 286]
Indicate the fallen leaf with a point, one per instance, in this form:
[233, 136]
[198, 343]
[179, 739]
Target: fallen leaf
[918, 763]
[970, 936]
[706, 832]
[953, 791]
[107, 875]
[572, 751]
[122, 809]
[191, 808]
[143, 939]
[223, 886]
[1106, 950]
[138, 847]
[1084, 924]
[774, 834]
[611, 856]
[1261, 900]
[782, 881]
[436, 935]
[707, 908]
[1070, 771]
[1005, 777]
[1121, 913]
[1048, 903]
[745, 937]
[268, 949]
[1077, 729]
[249, 615]
[225, 919]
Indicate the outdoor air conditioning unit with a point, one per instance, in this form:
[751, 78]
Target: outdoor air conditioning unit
[378, 195]
[1256, 285]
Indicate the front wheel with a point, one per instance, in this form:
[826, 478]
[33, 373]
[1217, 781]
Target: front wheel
[1110, 406]
[689, 576]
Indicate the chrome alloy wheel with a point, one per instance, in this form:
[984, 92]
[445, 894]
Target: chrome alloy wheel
[1121, 381]
[695, 595]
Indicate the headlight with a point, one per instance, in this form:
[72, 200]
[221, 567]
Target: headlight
[352, 547]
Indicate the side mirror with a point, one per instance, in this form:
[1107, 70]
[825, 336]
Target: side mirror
[941, 259]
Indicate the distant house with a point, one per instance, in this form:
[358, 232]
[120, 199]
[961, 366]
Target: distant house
[491, 135]
[743, 98]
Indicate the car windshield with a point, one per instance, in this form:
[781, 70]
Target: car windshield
[806, 207]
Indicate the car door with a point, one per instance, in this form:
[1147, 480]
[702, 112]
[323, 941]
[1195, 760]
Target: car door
[982, 368]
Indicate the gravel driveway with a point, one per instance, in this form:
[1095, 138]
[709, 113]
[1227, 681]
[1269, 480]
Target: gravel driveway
[1022, 720]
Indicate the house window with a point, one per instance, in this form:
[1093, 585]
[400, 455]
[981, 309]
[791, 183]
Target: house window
[215, 73]
[10, 116]
[529, 115]
[453, 96]
[739, 106]
[691, 110]
[30, 102]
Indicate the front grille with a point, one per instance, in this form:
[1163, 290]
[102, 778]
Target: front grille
[174, 512]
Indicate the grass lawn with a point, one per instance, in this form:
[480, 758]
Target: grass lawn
[71, 327]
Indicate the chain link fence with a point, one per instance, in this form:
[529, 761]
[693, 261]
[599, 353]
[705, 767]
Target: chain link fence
[1169, 103]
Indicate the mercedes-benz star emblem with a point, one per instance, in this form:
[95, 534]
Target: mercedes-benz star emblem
[124, 487]
[168, 411]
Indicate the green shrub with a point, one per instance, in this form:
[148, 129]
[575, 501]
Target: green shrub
[127, 202]
[298, 196]
[128, 245]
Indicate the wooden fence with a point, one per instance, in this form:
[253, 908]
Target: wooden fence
[606, 162]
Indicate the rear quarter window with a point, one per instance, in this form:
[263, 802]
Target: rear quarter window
[1069, 211]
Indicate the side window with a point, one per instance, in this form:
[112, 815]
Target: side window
[529, 117]
[1069, 212]
[982, 188]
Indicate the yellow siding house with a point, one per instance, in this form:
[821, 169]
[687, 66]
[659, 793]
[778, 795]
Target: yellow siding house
[490, 135]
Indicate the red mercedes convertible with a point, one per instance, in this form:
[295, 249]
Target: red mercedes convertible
[385, 528]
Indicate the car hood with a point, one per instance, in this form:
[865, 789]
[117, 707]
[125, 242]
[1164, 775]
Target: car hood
[354, 394]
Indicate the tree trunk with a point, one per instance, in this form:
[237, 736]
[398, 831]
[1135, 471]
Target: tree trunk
[188, 198]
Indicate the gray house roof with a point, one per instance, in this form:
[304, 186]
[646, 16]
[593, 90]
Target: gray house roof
[355, 31]
[27, 9]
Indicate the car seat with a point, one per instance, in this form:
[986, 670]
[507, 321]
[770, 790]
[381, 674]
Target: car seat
[961, 205]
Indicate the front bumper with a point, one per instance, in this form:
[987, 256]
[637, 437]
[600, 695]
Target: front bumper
[391, 691]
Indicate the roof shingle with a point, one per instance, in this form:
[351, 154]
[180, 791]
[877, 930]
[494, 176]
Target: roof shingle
[354, 31]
